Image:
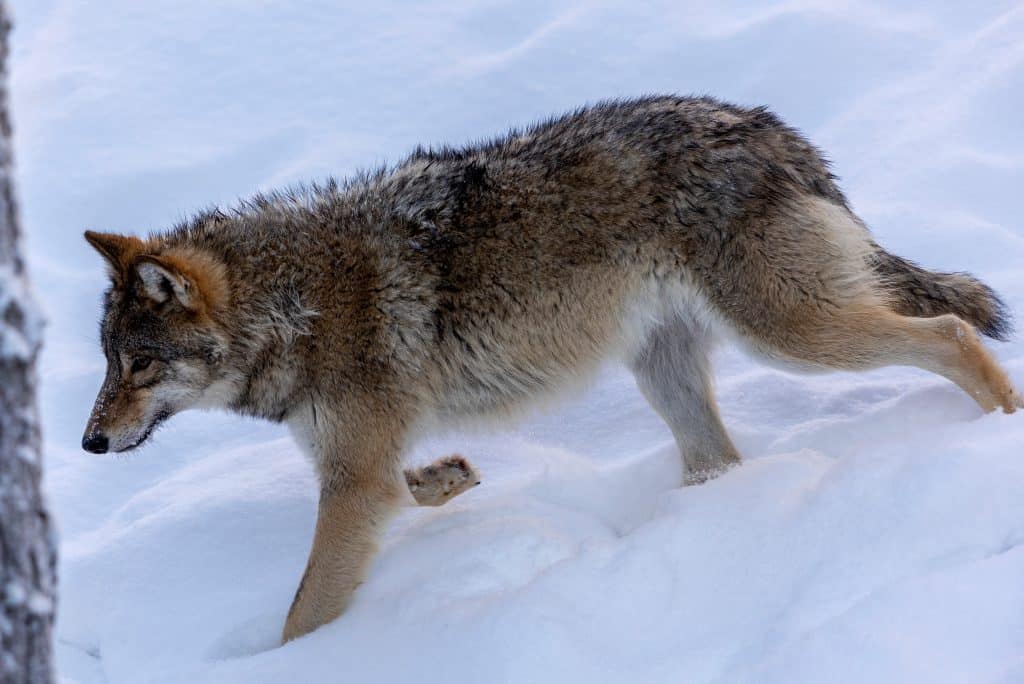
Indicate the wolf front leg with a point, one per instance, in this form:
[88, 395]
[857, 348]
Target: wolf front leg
[360, 487]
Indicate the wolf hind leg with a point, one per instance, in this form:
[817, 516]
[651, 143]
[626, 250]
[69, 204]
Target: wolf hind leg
[952, 348]
[811, 294]
[874, 337]
[672, 371]
[949, 346]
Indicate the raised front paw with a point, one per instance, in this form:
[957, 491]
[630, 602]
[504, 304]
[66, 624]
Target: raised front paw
[442, 480]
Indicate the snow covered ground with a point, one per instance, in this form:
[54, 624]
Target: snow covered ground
[876, 530]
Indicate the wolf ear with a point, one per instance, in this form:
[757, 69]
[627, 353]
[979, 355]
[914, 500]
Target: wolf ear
[118, 250]
[162, 281]
[193, 279]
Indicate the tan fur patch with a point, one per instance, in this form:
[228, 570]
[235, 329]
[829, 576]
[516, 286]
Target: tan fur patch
[205, 273]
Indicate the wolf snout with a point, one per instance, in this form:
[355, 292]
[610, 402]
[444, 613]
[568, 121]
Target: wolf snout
[96, 443]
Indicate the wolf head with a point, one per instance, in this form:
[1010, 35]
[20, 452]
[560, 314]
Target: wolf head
[162, 334]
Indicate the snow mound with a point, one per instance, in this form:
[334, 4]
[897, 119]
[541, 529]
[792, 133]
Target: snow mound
[801, 565]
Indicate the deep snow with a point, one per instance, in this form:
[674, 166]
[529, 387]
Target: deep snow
[876, 530]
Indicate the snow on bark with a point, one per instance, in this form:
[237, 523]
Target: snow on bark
[27, 549]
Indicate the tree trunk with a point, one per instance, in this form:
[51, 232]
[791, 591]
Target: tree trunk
[27, 552]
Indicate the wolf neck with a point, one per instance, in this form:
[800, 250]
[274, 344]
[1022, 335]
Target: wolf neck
[268, 319]
[273, 322]
[306, 282]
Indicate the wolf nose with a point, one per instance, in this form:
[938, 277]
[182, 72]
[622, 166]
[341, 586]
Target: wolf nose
[95, 443]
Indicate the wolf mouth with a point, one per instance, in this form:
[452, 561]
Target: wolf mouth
[162, 415]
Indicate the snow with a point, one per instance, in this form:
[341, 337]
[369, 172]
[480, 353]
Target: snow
[875, 531]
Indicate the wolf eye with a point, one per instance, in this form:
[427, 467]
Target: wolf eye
[141, 363]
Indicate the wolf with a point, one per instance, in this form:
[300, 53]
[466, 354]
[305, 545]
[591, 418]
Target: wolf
[469, 283]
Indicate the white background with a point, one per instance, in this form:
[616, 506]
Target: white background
[875, 532]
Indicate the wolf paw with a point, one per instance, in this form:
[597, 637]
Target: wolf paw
[442, 480]
[698, 476]
[1014, 402]
[1008, 398]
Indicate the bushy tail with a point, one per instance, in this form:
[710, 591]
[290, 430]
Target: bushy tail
[917, 292]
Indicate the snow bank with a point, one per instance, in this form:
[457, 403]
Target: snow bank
[897, 561]
[873, 534]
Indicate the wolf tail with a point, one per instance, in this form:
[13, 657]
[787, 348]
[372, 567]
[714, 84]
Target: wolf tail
[919, 292]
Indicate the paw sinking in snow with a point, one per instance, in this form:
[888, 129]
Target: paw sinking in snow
[442, 480]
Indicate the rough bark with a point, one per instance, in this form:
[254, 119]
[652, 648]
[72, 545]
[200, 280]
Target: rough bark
[27, 552]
